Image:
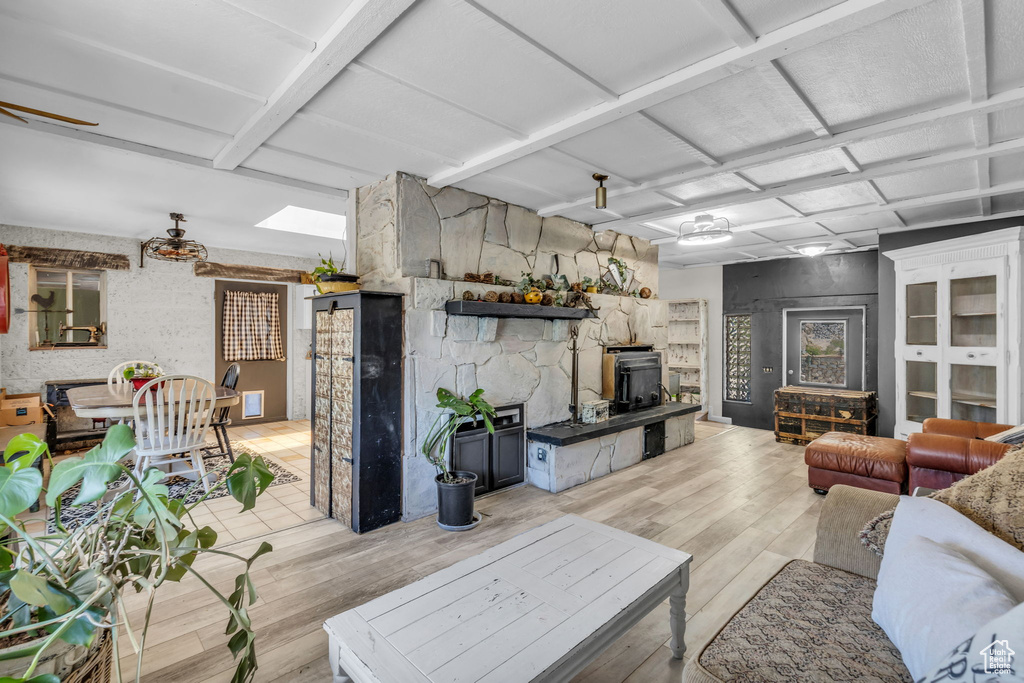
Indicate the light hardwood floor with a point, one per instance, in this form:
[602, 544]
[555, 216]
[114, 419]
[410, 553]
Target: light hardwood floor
[735, 499]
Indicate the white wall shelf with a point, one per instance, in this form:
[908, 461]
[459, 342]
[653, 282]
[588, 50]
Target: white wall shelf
[688, 345]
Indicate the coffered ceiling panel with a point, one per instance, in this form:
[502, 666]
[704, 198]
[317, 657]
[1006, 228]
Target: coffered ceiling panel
[764, 16]
[882, 220]
[891, 67]
[612, 41]
[796, 232]
[930, 138]
[1005, 23]
[961, 175]
[1008, 202]
[310, 18]
[844, 196]
[827, 162]
[757, 113]
[481, 70]
[938, 212]
[712, 186]
[1006, 124]
[1007, 168]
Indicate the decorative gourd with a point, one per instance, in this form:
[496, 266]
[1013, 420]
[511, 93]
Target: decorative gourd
[533, 296]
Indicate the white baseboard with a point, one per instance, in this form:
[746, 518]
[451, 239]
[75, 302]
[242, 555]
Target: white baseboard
[720, 419]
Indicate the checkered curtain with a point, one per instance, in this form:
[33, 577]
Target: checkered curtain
[252, 326]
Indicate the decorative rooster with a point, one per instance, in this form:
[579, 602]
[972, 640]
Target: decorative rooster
[4, 106]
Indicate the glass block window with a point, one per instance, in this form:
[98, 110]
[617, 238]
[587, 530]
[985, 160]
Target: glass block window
[737, 358]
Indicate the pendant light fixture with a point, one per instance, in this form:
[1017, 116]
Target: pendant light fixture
[174, 247]
[705, 229]
[601, 196]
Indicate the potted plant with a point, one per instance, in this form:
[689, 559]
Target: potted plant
[63, 592]
[329, 278]
[140, 373]
[589, 285]
[455, 488]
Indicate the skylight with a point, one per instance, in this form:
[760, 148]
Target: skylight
[306, 222]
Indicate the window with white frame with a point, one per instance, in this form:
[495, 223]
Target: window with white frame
[67, 308]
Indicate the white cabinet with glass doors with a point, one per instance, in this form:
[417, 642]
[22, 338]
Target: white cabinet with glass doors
[958, 342]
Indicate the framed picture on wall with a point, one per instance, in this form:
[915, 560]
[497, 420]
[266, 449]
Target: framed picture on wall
[252, 404]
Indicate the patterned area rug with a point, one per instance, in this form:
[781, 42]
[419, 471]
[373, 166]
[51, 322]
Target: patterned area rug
[178, 487]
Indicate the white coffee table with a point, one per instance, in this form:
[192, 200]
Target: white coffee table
[538, 607]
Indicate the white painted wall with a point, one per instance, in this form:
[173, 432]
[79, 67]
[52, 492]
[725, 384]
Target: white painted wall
[701, 283]
[161, 312]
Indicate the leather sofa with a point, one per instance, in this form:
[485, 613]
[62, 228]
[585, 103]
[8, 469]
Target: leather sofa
[949, 450]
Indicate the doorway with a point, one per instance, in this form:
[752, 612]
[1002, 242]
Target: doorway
[263, 383]
[824, 347]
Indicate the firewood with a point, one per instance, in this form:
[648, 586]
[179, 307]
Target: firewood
[471, 277]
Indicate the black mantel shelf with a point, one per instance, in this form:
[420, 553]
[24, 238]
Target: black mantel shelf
[565, 434]
[487, 309]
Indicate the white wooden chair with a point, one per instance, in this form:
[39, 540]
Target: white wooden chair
[116, 375]
[172, 421]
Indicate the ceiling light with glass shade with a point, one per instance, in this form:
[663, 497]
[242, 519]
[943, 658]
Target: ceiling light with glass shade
[813, 249]
[705, 229]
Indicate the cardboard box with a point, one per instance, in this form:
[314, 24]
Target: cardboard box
[21, 409]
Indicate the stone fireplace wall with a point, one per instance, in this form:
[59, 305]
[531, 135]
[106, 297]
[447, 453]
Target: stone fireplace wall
[402, 222]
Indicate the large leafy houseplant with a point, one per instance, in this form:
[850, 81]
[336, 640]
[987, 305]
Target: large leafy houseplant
[69, 585]
[435, 446]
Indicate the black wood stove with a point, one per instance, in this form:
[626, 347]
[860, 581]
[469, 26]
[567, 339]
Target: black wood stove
[632, 377]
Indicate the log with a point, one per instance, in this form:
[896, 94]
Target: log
[237, 272]
[68, 258]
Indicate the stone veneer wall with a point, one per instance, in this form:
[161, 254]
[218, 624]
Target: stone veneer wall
[162, 312]
[401, 222]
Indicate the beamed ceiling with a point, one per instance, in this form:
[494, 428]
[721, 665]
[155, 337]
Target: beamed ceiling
[799, 120]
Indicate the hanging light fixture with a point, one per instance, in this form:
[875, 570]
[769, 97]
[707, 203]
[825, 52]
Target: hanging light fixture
[705, 229]
[813, 249]
[601, 197]
[175, 247]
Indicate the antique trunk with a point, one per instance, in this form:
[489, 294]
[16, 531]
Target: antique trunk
[356, 471]
[802, 414]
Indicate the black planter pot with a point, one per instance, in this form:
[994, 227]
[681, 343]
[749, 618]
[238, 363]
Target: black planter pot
[339, 277]
[455, 502]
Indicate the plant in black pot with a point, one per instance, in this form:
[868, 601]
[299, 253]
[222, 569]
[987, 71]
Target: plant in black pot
[329, 278]
[455, 488]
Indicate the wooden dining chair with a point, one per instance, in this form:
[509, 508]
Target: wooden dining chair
[172, 418]
[116, 375]
[221, 421]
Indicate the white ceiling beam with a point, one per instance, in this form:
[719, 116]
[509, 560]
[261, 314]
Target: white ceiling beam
[328, 122]
[866, 209]
[815, 29]
[130, 56]
[847, 160]
[789, 207]
[954, 221]
[876, 193]
[592, 166]
[517, 37]
[784, 86]
[828, 181]
[994, 103]
[354, 170]
[176, 158]
[362, 22]
[679, 141]
[747, 183]
[732, 25]
[358, 66]
[261, 25]
[973, 14]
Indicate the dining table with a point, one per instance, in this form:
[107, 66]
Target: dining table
[114, 401]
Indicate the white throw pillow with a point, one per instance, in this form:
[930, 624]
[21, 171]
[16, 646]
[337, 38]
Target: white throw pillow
[932, 595]
[994, 653]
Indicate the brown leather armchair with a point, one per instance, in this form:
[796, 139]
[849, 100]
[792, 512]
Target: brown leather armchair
[949, 450]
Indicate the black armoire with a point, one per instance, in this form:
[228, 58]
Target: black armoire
[356, 469]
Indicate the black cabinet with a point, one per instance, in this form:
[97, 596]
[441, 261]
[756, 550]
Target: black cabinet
[499, 459]
[356, 468]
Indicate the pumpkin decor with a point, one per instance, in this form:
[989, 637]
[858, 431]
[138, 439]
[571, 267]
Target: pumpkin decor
[533, 296]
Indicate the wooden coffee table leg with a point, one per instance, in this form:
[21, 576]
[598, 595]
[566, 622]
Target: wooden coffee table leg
[677, 612]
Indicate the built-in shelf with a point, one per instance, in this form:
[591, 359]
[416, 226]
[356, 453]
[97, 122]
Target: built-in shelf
[683, 366]
[918, 317]
[971, 315]
[983, 400]
[487, 309]
[924, 394]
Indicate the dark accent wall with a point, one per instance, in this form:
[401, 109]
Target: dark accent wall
[887, 302]
[764, 288]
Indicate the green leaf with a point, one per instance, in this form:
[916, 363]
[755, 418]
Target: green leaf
[247, 479]
[154, 507]
[262, 550]
[81, 631]
[42, 678]
[19, 489]
[36, 590]
[23, 450]
[95, 470]
[207, 537]
[238, 642]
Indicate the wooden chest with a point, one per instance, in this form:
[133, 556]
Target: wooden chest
[802, 414]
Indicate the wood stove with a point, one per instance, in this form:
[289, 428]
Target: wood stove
[632, 378]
